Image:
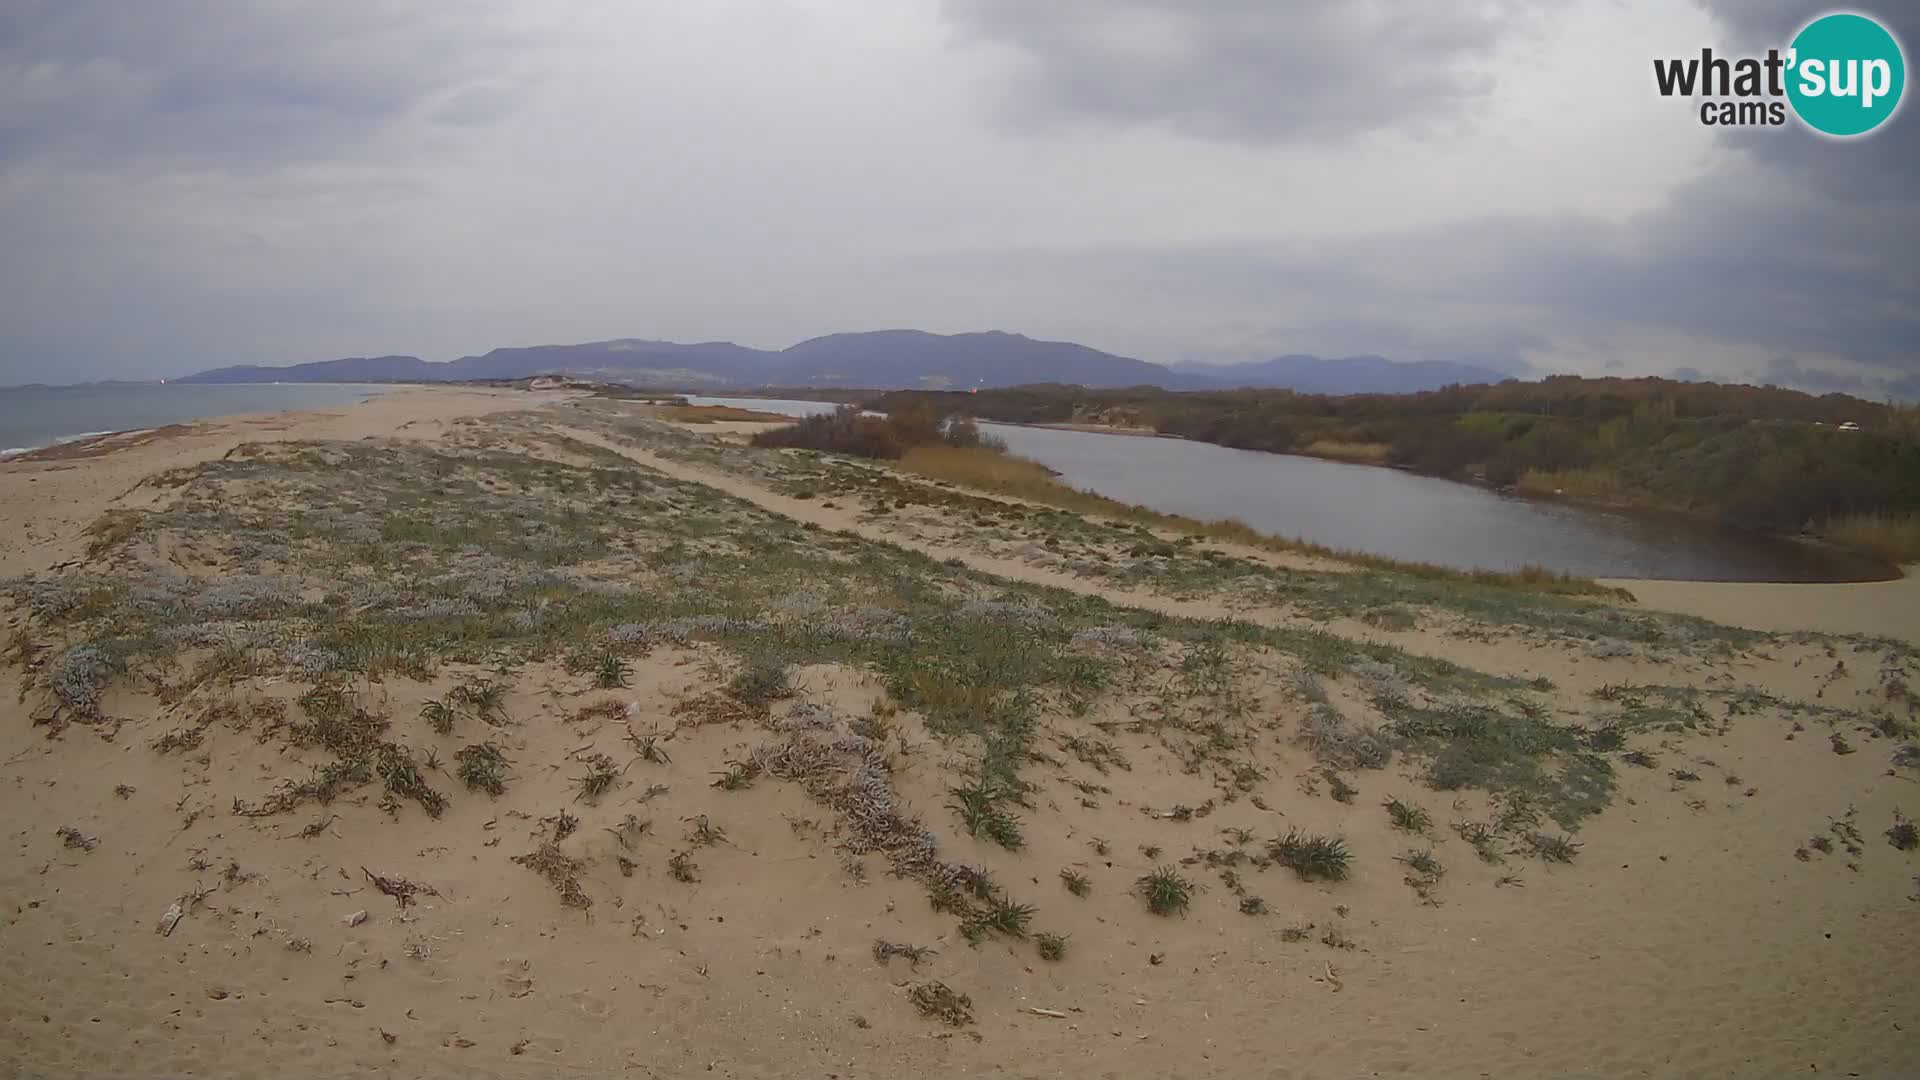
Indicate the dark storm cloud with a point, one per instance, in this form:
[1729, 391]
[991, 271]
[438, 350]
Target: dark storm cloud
[1831, 251]
[1784, 371]
[1249, 70]
[1785, 267]
[226, 83]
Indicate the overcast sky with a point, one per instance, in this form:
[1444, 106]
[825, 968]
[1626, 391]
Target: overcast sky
[191, 183]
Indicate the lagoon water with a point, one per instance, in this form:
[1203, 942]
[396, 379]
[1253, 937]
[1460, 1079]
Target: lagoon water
[34, 416]
[1398, 514]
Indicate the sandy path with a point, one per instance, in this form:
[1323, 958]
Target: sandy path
[49, 501]
[1522, 658]
[1882, 608]
[839, 519]
[1525, 661]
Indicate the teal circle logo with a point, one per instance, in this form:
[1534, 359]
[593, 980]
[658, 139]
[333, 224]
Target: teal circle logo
[1845, 74]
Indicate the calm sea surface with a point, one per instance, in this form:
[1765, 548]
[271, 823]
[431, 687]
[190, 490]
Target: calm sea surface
[36, 416]
[1401, 515]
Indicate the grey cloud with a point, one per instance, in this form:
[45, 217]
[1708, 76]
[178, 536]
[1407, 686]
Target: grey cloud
[474, 105]
[1879, 167]
[1792, 242]
[1785, 371]
[211, 81]
[185, 183]
[1249, 70]
[1745, 258]
[1760, 24]
[1786, 271]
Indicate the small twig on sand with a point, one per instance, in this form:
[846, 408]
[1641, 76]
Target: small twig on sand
[314, 829]
[402, 890]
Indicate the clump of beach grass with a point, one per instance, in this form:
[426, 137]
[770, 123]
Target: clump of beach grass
[1076, 882]
[1165, 891]
[611, 671]
[738, 776]
[761, 681]
[485, 698]
[884, 950]
[682, 868]
[404, 778]
[1903, 834]
[561, 870]
[439, 715]
[1551, 848]
[483, 767]
[942, 1003]
[1407, 817]
[1312, 858]
[979, 805]
[601, 776]
[1001, 913]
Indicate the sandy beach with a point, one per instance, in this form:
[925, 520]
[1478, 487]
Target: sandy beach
[1883, 608]
[527, 734]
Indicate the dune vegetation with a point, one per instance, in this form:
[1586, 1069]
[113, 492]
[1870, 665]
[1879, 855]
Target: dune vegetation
[442, 750]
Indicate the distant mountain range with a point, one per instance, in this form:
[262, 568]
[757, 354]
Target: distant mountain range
[881, 359]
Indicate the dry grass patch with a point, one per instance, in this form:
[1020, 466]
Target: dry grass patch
[709, 414]
[561, 870]
[1893, 537]
[1365, 453]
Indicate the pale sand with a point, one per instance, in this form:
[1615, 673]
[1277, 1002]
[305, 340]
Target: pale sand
[47, 497]
[1881, 608]
[1686, 940]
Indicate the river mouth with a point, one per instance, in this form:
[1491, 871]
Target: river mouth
[1406, 516]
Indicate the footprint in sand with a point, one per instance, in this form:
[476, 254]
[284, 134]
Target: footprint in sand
[591, 1006]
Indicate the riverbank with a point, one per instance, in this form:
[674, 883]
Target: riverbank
[1871, 546]
[1744, 457]
[1887, 608]
[1351, 505]
[429, 735]
[1875, 545]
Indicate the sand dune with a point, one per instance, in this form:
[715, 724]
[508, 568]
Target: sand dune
[668, 611]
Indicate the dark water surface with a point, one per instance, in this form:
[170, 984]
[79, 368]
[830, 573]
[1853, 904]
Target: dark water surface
[1401, 515]
[35, 416]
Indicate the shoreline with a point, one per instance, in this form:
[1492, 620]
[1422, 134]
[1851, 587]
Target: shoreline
[11, 452]
[64, 439]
